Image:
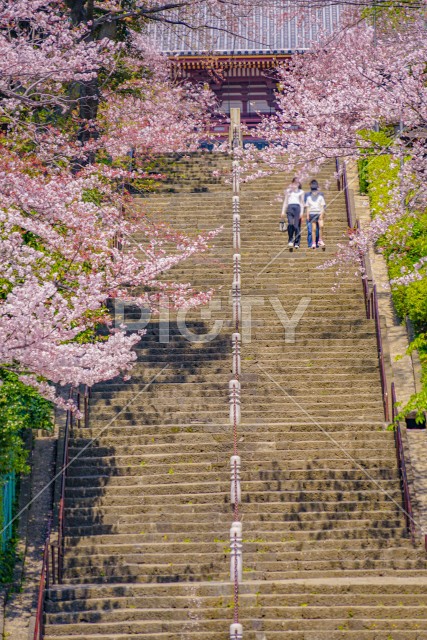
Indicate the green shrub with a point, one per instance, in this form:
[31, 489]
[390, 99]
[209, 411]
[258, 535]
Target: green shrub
[416, 303]
[21, 407]
[382, 176]
[363, 175]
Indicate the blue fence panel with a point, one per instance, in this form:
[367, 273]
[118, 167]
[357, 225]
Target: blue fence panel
[8, 500]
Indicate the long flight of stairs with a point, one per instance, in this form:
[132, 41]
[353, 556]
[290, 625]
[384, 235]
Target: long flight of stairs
[326, 553]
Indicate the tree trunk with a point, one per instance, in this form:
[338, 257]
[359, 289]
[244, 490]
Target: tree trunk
[77, 10]
[88, 92]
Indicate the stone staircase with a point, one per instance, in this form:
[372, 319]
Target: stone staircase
[326, 553]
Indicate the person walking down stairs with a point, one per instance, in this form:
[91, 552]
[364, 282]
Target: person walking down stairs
[293, 205]
[315, 211]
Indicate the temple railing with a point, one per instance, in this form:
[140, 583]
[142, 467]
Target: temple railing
[401, 463]
[52, 571]
[372, 313]
[369, 288]
[343, 185]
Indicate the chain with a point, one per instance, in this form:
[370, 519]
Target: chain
[236, 630]
[236, 584]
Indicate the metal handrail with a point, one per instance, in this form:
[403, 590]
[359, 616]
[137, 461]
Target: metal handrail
[64, 469]
[342, 184]
[43, 586]
[370, 297]
[61, 512]
[400, 453]
[372, 312]
[53, 555]
[338, 172]
[365, 283]
[365, 286]
[375, 314]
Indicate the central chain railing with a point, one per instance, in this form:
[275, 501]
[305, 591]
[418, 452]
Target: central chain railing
[236, 564]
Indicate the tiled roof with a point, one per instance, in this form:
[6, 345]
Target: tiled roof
[282, 30]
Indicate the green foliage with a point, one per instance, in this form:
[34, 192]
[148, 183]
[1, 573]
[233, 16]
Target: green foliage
[416, 303]
[403, 246]
[390, 13]
[363, 175]
[418, 402]
[382, 176]
[377, 172]
[21, 407]
[93, 195]
[8, 557]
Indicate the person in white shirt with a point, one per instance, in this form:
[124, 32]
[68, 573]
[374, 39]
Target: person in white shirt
[293, 206]
[315, 210]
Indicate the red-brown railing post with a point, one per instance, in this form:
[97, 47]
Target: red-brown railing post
[371, 301]
[86, 408]
[60, 564]
[337, 167]
[376, 315]
[61, 516]
[78, 409]
[53, 563]
[53, 555]
[366, 295]
[393, 402]
[400, 453]
[348, 202]
[372, 312]
[43, 585]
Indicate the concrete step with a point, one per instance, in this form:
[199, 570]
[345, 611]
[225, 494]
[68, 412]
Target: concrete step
[303, 425]
[179, 380]
[255, 552]
[353, 520]
[136, 445]
[256, 512]
[384, 631]
[116, 544]
[372, 462]
[283, 402]
[362, 613]
[365, 531]
[255, 391]
[378, 587]
[210, 572]
[316, 604]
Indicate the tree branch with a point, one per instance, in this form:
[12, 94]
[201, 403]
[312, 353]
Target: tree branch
[139, 13]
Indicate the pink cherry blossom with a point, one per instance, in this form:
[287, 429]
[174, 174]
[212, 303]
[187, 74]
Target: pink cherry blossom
[64, 213]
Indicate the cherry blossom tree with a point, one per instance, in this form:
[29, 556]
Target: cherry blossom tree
[333, 96]
[80, 87]
[69, 236]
